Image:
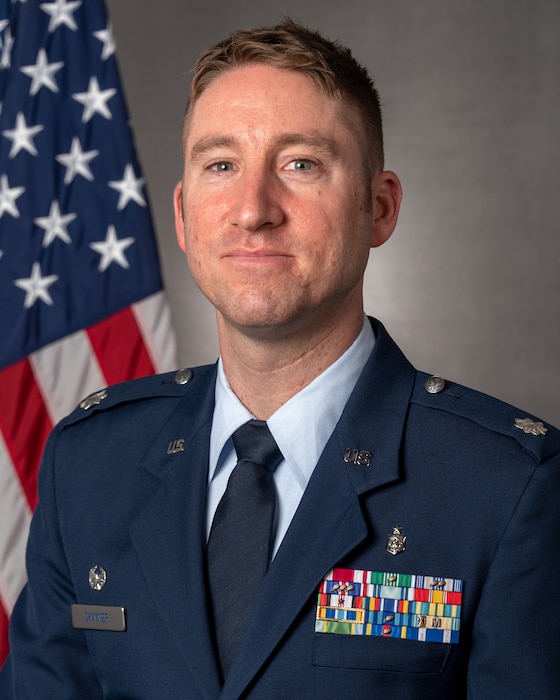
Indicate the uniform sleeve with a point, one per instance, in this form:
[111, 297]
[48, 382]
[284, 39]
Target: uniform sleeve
[48, 658]
[516, 635]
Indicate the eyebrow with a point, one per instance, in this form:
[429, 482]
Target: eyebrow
[204, 145]
[323, 143]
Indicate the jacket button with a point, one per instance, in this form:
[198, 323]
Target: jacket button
[434, 385]
[183, 376]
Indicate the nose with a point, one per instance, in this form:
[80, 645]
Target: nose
[255, 204]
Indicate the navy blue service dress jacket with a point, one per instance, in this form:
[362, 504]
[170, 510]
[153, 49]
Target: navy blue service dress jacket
[423, 561]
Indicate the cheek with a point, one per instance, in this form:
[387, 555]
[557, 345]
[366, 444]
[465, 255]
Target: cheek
[204, 215]
[197, 224]
[197, 260]
[346, 245]
[193, 245]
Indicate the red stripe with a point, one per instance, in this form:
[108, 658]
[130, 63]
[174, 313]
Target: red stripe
[3, 635]
[24, 422]
[453, 597]
[120, 348]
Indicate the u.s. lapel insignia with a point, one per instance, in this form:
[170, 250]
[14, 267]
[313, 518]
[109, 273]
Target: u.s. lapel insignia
[176, 446]
[396, 541]
[531, 427]
[361, 458]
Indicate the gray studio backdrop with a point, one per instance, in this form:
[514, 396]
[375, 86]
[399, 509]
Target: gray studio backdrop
[469, 283]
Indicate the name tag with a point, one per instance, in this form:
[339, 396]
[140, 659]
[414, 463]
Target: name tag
[98, 617]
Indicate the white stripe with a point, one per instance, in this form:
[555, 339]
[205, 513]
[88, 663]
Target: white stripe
[15, 517]
[66, 371]
[154, 320]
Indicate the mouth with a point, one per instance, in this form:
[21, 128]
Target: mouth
[255, 256]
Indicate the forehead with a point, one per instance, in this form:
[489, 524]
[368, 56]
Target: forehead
[256, 97]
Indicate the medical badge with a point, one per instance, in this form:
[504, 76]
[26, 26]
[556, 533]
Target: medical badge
[396, 541]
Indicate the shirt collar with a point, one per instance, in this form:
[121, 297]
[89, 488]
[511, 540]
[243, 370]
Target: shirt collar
[302, 426]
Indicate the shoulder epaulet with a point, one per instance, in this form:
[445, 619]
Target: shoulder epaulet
[538, 438]
[168, 385]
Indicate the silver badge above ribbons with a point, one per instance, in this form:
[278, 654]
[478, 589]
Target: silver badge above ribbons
[396, 541]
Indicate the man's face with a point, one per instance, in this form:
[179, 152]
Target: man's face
[273, 212]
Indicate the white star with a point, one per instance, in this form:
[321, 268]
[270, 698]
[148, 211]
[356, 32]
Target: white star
[61, 13]
[22, 136]
[8, 197]
[129, 187]
[6, 56]
[42, 73]
[94, 100]
[112, 250]
[55, 225]
[76, 162]
[106, 36]
[36, 287]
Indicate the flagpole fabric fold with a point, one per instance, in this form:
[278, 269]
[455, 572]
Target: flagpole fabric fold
[81, 297]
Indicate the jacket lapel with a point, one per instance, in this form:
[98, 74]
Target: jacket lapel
[329, 522]
[169, 535]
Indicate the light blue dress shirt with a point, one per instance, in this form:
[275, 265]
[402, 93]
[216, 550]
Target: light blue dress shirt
[301, 428]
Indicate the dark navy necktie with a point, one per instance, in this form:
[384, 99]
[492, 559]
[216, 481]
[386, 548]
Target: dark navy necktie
[241, 536]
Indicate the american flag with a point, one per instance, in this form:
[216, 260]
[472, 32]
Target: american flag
[81, 300]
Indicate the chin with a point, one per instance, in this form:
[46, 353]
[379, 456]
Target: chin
[261, 319]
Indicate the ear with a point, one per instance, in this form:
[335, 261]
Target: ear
[386, 197]
[179, 215]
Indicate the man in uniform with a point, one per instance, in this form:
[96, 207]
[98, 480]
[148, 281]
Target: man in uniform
[310, 517]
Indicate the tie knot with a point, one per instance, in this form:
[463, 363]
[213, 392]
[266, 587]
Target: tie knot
[254, 443]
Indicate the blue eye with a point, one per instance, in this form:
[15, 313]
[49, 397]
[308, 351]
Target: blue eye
[222, 167]
[301, 164]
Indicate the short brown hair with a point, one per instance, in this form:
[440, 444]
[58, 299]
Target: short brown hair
[290, 45]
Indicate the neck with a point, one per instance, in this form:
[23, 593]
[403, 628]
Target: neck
[266, 369]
